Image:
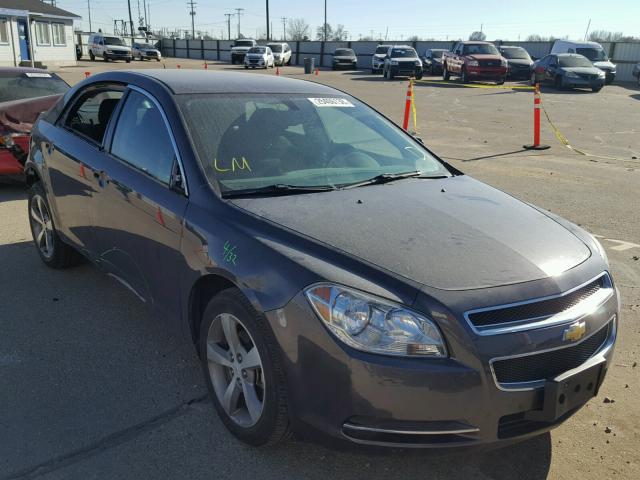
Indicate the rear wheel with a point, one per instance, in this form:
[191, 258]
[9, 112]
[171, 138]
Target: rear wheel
[104, 57]
[52, 250]
[243, 370]
[596, 89]
[445, 74]
[92, 57]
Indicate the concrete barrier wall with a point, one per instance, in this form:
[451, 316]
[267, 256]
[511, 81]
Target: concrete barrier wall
[624, 54]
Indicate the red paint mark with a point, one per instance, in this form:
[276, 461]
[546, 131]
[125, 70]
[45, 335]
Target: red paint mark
[159, 217]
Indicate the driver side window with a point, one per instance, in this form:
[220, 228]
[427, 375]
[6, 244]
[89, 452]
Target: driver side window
[90, 115]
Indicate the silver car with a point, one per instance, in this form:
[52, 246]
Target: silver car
[146, 51]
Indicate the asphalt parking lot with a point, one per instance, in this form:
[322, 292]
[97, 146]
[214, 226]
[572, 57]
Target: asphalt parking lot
[94, 386]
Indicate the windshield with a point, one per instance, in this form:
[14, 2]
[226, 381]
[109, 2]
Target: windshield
[257, 50]
[436, 53]
[244, 43]
[248, 141]
[113, 41]
[344, 52]
[276, 48]
[574, 61]
[593, 54]
[403, 53]
[480, 48]
[382, 49]
[30, 85]
[515, 53]
[145, 45]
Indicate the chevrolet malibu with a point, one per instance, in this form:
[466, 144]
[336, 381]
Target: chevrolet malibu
[335, 276]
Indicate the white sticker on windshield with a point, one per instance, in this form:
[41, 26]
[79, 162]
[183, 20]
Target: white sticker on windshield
[38, 75]
[331, 102]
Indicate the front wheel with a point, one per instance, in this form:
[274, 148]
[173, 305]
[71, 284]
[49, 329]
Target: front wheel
[501, 81]
[445, 74]
[243, 370]
[52, 250]
[419, 76]
[92, 57]
[464, 77]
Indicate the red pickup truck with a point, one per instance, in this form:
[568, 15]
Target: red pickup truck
[474, 60]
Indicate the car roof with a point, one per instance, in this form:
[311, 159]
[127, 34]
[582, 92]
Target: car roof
[402, 46]
[19, 70]
[511, 46]
[205, 81]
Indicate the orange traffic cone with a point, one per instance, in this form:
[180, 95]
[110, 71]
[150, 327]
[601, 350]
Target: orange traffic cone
[317, 71]
[86, 74]
[277, 70]
[178, 65]
[205, 66]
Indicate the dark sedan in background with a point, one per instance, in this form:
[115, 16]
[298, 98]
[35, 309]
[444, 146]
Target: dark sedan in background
[333, 273]
[432, 61]
[344, 58]
[24, 94]
[519, 62]
[568, 70]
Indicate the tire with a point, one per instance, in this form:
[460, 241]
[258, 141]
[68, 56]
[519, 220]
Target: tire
[246, 67]
[52, 250]
[533, 79]
[446, 76]
[105, 58]
[596, 89]
[558, 83]
[157, 59]
[501, 81]
[92, 57]
[463, 76]
[128, 60]
[229, 315]
[419, 76]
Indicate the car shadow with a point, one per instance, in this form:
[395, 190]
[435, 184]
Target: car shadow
[528, 460]
[12, 190]
[636, 96]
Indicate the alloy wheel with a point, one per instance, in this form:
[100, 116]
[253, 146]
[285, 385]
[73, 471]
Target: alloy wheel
[42, 226]
[235, 368]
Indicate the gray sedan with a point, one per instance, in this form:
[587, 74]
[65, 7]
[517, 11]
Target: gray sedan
[335, 276]
[568, 70]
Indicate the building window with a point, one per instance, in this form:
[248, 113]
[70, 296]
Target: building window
[4, 37]
[58, 34]
[42, 33]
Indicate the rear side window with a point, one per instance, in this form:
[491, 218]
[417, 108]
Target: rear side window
[90, 115]
[141, 138]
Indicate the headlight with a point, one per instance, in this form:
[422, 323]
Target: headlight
[393, 62]
[503, 62]
[601, 74]
[418, 63]
[375, 325]
[109, 51]
[473, 63]
[571, 75]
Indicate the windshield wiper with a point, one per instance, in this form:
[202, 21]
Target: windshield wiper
[276, 189]
[384, 178]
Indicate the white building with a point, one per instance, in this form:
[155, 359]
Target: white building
[34, 33]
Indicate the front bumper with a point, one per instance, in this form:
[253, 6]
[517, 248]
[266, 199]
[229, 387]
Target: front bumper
[237, 56]
[410, 70]
[408, 402]
[517, 72]
[486, 73]
[119, 56]
[573, 82]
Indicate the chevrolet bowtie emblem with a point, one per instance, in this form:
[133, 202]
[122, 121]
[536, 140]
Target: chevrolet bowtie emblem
[575, 332]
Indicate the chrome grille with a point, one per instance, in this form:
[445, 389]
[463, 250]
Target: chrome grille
[546, 365]
[528, 313]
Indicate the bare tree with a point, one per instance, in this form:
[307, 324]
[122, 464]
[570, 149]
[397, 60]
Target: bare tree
[605, 36]
[413, 38]
[320, 32]
[478, 36]
[298, 29]
[339, 34]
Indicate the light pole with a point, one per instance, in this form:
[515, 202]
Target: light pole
[268, 38]
[324, 36]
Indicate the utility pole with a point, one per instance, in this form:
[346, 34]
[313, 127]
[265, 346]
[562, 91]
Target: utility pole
[386, 33]
[192, 12]
[284, 28]
[229, 15]
[268, 37]
[324, 36]
[130, 18]
[239, 13]
[146, 20]
[89, 8]
[587, 31]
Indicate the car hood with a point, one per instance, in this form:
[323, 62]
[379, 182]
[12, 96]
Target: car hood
[583, 70]
[18, 116]
[520, 61]
[484, 56]
[118, 48]
[404, 60]
[604, 65]
[451, 234]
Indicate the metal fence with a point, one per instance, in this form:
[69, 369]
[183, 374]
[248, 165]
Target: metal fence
[624, 54]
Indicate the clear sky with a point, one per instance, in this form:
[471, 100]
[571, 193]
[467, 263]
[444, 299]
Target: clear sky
[500, 19]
